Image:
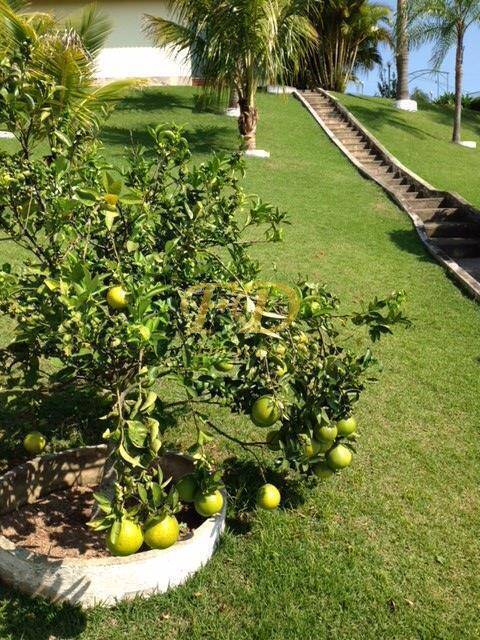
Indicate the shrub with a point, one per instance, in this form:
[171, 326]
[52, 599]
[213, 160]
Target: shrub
[447, 99]
[139, 277]
[421, 97]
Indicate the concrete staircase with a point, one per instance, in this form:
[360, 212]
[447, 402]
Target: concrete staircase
[448, 225]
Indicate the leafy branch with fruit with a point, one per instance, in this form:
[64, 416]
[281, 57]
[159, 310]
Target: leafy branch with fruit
[138, 286]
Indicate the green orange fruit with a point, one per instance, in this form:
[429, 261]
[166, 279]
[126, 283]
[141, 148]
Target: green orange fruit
[117, 297]
[129, 538]
[339, 457]
[187, 488]
[268, 497]
[208, 504]
[224, 366]
[347, 426]
[161, 534]
[326, 433]
[34, 442]
[265, 411]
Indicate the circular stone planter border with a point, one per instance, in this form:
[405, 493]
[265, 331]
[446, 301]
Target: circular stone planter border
[94, 581]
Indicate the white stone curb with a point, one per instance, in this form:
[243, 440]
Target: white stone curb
[256, 153]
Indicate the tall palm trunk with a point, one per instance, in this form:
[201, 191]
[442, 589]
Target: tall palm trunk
[457, 120]
[233, 98]
[401, 55]
[247, 123]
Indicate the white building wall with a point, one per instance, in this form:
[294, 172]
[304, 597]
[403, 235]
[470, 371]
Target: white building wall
[129, 52]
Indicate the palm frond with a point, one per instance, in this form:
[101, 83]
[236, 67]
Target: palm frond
[93, 27]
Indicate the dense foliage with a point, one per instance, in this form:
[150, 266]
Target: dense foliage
[349, 35]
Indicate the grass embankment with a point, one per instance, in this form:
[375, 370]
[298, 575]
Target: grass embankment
[422, 141]
[391, 548]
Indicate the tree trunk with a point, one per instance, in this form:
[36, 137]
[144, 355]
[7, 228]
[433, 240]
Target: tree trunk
[457, 120]
[233, 98]
[109, 477]
[247, 123]
[401, 53]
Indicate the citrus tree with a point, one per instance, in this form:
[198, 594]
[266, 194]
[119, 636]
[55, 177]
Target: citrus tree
[138, 285]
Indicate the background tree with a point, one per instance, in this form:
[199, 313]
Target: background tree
[63, 56]
[239, 44]
[349, 32]
[445, 23]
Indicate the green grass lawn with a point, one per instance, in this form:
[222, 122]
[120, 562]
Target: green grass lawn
[421, 141]
[391, 548]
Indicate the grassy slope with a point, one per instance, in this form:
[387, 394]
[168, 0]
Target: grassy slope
[422, 142]
[390, 549]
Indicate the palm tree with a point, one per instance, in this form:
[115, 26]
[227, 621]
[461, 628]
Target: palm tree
[62, 54]
[349, 34]
[405, 37]
[445, 23]
[239, 44]
[401, 50]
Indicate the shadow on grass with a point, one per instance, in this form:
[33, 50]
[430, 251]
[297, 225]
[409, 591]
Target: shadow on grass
[386, 115]
[243, 478]
[443, 115]
[202, 139]
[27, 618]
[153, 99]
[408, 240]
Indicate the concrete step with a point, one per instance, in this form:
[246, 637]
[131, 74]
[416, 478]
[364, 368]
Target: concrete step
[422, 203]
[324, 107]
[367, 155]
[342, 132]
[449, 214]
[452, 229]
[458, 247]
[336, 120]
[324, 110]
[398, 186]
[353, 136]
[472, 266]
[319, 101]
[355, 146]
[344, 125]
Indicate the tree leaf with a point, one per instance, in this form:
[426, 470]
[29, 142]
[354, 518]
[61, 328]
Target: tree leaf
[134, 461]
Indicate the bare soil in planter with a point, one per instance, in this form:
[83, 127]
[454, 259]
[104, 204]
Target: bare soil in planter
[56, 525]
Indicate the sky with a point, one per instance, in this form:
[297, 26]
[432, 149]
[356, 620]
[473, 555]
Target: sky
[420, 59]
